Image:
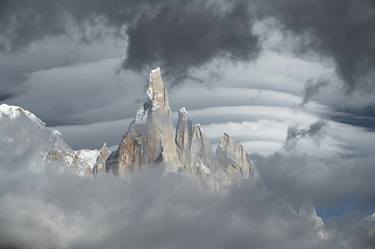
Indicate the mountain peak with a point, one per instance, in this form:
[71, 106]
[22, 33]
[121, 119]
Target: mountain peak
[157, 92]
[232, 154]
[13, 112]
[154, 71]
[183, 113]
[152, 139]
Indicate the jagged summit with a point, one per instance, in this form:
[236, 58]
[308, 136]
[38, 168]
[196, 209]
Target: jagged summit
[151, 140]
[183, 113]
[156, 92]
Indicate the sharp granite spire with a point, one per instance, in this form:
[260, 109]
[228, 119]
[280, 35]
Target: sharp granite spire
[157, 92]
[152, 140]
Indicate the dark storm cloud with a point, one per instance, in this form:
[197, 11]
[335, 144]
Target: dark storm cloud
[177, 35]
[341, 29]
[181, 35]
[192, 33]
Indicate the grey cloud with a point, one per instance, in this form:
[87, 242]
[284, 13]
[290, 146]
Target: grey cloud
[184, 35]
[178, 35]
[315, 131]
[330, 184]
[181, 35]
[192, 33]
[341, 29]
[151, 210]
[312, 88]
[155, 209]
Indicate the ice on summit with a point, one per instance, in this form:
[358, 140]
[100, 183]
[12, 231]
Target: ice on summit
[183, 113]
[154, 72]
[13, 112]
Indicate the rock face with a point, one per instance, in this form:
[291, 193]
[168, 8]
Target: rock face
[234, 158]
[81, 162]
[100, 165]
[150, 137]
[152, 140]
[184, 136]
[194, 149]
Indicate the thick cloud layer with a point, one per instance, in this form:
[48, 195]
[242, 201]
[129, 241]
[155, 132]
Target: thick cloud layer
[177, 35]
[180, 35]
[150, 210]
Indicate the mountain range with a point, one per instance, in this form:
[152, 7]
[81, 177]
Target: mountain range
[151, 140]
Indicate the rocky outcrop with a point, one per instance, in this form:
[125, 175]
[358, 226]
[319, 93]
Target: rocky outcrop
[150, 137]
[194, 149]
[81, 162]
[100, 165]
[184, 135]
[151, 140]
[235, 160]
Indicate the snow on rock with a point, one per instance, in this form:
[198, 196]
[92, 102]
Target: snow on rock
[87, 156]
[26, 143]
[183, 113]
[150, 137]
[14, 112]
[24, 139]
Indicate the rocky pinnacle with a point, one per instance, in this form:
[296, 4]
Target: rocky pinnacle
[152, 140]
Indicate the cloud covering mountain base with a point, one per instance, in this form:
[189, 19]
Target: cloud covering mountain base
[150, 210]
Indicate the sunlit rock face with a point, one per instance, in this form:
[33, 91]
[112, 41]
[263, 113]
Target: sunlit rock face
[100, 165]
[194, 149]
[151, 140]
[150, 137]
[184, 135]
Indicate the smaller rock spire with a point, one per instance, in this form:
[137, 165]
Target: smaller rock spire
[234, 157]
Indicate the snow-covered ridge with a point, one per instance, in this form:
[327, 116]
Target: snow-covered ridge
[24, 135]
[13, 112]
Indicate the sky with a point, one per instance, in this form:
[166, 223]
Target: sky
[292, 80]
